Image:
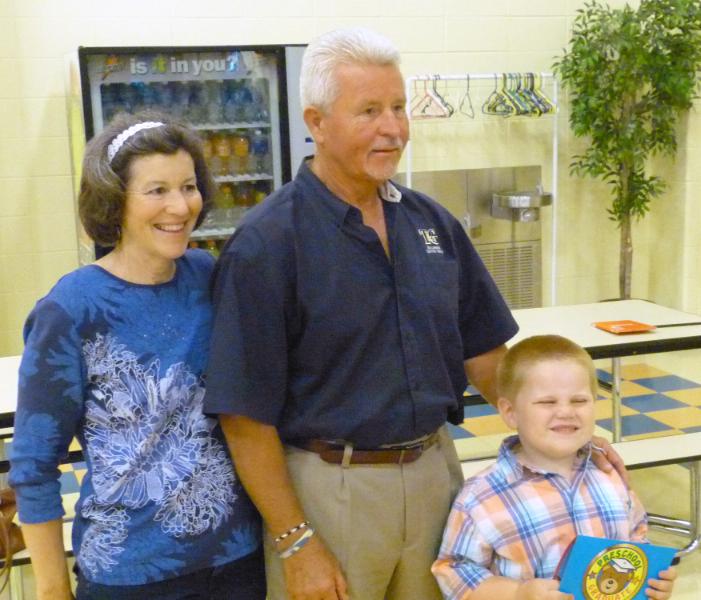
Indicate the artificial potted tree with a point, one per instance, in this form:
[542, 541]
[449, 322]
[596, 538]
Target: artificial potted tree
[630, 74]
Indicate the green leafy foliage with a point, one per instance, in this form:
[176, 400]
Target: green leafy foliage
[630, 74]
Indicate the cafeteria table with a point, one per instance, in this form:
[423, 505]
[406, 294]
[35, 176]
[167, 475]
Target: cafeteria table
[674, 330]
[9, 366]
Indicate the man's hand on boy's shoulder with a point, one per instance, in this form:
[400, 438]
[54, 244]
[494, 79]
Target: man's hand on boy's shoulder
[606, 458]
[541, 589]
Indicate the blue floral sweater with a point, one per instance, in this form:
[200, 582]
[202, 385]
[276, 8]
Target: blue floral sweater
[120, 366]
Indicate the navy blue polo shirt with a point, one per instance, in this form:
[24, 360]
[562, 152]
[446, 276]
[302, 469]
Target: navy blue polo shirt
[320, 334]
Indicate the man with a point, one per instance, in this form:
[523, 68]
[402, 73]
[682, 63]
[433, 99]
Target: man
[350, 313]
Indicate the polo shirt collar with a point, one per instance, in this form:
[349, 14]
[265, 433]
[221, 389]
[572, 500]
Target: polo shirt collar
[389, 192]
[338, 208]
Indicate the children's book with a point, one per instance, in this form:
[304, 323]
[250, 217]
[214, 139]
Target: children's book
[603, 569]
[624, 326]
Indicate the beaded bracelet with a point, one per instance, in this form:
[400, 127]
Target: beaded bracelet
[298, 544]
[289, 532]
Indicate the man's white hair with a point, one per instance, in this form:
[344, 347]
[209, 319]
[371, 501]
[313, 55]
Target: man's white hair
[356, 46]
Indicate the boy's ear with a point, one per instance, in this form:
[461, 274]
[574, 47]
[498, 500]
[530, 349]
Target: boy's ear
[506, 410]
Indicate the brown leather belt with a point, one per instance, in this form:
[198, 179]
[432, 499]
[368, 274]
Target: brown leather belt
[334, 452]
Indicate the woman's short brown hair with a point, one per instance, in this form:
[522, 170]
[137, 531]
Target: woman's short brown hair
[103, 183]
[515, 364]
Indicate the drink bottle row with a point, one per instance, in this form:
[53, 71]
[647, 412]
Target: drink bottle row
[230, 202]
[214, 247]
[199, 102]
[243, 194]
[237, 152]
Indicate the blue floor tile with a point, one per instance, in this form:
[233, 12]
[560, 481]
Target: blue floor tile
[458, 432]
[635, 425]
[649, 402]
[691, 429]
[69, 483]
[602, 375]
[479, 410]
[666, 383]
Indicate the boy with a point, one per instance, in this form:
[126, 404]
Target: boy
[510, 524]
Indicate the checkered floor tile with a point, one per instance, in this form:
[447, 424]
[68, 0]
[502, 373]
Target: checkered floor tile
[654, 403]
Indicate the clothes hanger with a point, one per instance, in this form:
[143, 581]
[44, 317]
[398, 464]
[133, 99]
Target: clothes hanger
[418, 99]
[521, 105]
[432, 105]
[441, 99]
[550, 107]
[496, 103]
[524, 92]
[465, 106]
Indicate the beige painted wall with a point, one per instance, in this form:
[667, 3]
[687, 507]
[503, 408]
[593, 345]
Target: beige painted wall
[37, 223]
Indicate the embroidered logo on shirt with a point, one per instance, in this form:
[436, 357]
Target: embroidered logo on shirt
[619, 571]
[430, 239]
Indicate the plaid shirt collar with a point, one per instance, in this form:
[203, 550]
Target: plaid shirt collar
[514, 470]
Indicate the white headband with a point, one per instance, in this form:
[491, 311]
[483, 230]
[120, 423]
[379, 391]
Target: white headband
[118, 142]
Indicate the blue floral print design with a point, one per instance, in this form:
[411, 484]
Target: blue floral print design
[149, 442]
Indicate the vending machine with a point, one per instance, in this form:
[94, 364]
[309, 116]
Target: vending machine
[243, 100]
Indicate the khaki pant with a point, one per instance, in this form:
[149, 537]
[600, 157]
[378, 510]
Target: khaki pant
[384, 523]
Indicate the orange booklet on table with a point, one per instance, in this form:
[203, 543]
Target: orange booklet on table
[624, 326]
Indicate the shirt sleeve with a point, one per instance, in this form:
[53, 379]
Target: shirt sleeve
[637, 518]
[49, 408]
[465, 555]
[486, 321]
[247, 371]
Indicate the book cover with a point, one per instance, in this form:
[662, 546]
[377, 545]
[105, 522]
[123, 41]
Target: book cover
[624, 326]
[604, 569]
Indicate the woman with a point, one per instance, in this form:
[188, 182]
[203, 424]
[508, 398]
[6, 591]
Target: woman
[114, 355]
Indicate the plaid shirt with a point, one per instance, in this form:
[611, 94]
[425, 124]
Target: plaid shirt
[516, 521]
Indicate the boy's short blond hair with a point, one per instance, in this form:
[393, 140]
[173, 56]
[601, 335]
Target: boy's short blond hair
[514, 366]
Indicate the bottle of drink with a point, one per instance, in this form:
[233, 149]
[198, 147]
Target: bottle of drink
[242, 101]
[245, 195]
[164, 95]
[150, 97]
[230, 100]
[211, 247]
[225, 196]
[109, 98]
[260, 149]
[221, 159]
[130, 97]
[215, 105]
[197, 110]
[240, 147]
[259, 192]
[140, 95]
[181, 99]
[259, 89]
[207, 147]
[248, 108]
